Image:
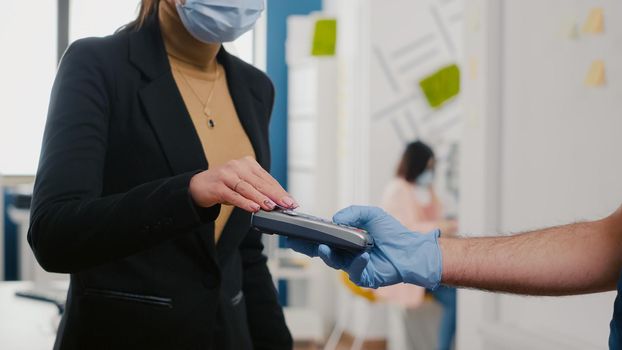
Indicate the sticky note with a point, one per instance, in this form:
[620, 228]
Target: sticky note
[596, 75]
[441, 86]
[324, 37]
[595, 23]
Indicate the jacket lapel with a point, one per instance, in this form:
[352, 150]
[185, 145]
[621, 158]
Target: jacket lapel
[166, 109]
[173, 126]
[163, 103]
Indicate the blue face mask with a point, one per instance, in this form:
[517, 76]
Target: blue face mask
[219, 21]
[426, 178]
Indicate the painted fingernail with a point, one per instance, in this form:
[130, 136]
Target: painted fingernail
[270, 204]
[255, 207]
[289, 202]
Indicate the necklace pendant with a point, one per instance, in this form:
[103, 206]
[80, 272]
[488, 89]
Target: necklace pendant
[210, 120]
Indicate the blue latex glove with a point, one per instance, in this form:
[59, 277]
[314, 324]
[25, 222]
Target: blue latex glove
[398, 255]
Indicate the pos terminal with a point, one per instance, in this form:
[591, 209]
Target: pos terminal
[286, 222]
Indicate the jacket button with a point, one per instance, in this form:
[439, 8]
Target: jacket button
[210, 282]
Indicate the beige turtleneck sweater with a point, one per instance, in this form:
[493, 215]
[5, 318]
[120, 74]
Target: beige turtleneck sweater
[198, 75]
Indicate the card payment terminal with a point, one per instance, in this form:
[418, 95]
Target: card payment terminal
[290, 223]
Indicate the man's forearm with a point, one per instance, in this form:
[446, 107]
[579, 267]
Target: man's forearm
[572, 259]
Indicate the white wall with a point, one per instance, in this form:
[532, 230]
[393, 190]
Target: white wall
[385, 49]
[99, 18]
[410, 40]
[540, 149]
[28, 64]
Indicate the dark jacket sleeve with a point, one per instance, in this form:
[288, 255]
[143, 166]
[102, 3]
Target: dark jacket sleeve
[73, 227]
[266, 321]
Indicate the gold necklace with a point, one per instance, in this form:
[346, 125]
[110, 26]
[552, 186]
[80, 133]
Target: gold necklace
[206, 110]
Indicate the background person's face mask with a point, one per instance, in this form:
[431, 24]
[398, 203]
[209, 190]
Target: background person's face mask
[219, 21]
[426, 178]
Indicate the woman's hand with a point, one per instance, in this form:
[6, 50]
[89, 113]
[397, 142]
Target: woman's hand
[242, 183]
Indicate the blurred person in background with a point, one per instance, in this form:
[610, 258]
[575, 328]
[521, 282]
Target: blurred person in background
[157, 241]
[411, 198]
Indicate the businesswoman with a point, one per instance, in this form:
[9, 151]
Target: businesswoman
[154, 135]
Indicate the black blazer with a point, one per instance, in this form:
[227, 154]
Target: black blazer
[111, 207]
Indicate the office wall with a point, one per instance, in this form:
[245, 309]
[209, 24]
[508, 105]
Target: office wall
[385, 49]
[540, 148]
[28, 41]
[409, 40]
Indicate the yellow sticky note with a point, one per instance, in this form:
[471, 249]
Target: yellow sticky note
[596, 76]
[324, 38]
[441, 86]
[595, 23]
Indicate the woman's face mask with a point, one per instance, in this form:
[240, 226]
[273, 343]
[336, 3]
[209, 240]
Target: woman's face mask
[426, 178]
[219, 21]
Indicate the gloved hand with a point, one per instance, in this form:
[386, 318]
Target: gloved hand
[398, 255]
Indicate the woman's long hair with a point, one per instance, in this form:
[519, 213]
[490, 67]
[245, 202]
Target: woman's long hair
[147, 8]
[414, 161]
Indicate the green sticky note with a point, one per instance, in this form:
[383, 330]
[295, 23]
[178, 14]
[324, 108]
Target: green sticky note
[324, 37]
[441, 86]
